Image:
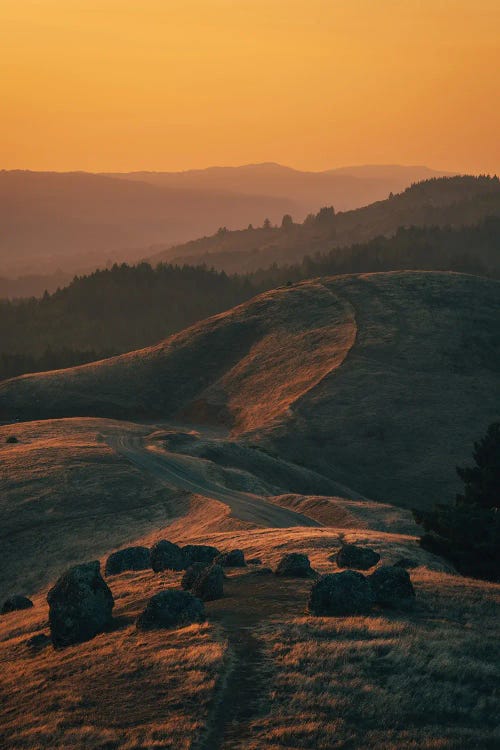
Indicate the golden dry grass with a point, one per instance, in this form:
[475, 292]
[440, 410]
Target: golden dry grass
[427, 680]
[66, 497]
[123, 689]
[398, 681]
[261, 673]
[344, 375]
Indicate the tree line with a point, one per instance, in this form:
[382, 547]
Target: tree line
[128, 307]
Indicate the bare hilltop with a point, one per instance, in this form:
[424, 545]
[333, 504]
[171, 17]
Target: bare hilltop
[343, 375]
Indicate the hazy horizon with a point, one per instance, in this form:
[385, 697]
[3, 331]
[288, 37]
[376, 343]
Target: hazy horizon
[107, 86]
[241, 165]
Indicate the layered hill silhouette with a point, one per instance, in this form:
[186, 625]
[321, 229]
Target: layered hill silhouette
[76, 221]
[378, 381]
[345, 187]
[438, 202]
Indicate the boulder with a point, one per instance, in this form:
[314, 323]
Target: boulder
[38, 642]
[192, 574]
[233, 559]
[406, 562]
[254, 561]
[295, 565]
[171, 609]
[359, 558]
[11, 439]
[166, 556]
[392, 587]
[17, 601]
[199, 553]
[131, 558]
[264, 571]
[209, 584]
[341, 594]
[80, 605]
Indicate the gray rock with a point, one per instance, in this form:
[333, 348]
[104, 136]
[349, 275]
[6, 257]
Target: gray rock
[254, 561]
[171, 609]
[131, 558]
[209, 584]
[38, 642]
[166, 556]
[233, 559]
[199, 553]
[192, 574]
[406, 562]
[15, 602]
[80, 605]
[340, 595]
[261, 572]
[359, 558]
[295, 565]
[392, 587]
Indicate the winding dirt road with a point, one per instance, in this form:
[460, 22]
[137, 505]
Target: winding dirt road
[189, 473]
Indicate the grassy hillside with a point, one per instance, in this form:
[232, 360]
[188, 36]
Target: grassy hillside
[67, 496]
[454, 201]
[109, 312]
[127, 307]
[345, 375]
[262, 673]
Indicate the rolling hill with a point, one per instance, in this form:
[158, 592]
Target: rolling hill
[445, 202]
[343, 375]
[262, 671]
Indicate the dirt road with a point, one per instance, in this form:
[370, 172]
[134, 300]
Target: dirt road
[189, 473]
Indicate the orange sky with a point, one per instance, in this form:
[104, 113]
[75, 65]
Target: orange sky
[175, 84]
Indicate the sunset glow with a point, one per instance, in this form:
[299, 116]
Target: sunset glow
[171, 85]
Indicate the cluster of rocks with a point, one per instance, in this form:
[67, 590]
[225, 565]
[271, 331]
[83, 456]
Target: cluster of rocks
[169, 556]
[352, 593]
[81, 603]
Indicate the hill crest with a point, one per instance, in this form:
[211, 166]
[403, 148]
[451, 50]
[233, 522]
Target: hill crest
[313, 372]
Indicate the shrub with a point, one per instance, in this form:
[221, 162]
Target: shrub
[468, 532]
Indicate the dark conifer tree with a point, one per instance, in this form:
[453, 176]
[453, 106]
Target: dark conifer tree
[468, 532]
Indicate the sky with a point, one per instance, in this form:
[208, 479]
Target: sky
[177, 84]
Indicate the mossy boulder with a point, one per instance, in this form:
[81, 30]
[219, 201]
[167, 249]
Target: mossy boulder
[341, 595]
[171, 609]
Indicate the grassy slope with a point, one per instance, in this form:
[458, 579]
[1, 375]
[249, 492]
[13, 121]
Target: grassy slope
[284, 680]
[66, 496]
[261, 673]
[343, 374]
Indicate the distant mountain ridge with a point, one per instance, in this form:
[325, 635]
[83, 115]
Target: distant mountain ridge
[445, 201]
[344, 187]
[77, 221]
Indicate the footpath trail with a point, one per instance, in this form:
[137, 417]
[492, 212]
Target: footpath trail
[189, 473]
[251, 602]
